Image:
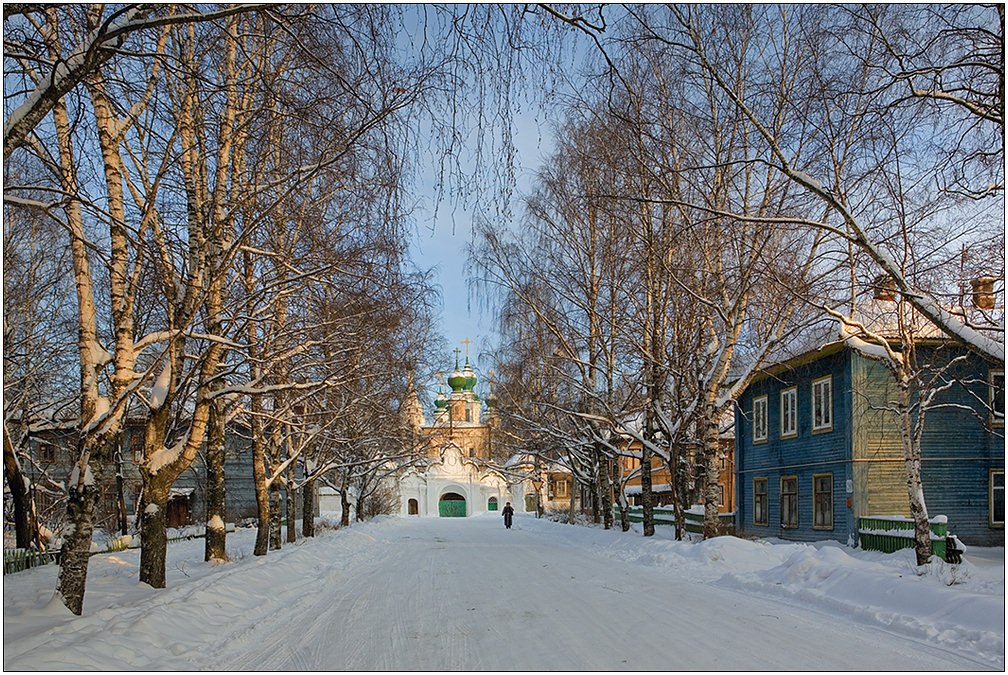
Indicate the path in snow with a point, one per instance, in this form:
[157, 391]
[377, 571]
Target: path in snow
[458, 594]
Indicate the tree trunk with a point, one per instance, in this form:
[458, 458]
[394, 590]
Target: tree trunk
[19, 494]
[680, 493]
[571, 509]
[647, 498]
[915, 488]
[712, 524]
[154, 531]
[81, 498]
[624, 515]
[275, 517]
[308, 509]
[290, 494]
[596, 498]
[359, 510]
[344, 508]
[120, 488]
[216, 493]
[82, 508]
[261, 490]
[606, 487]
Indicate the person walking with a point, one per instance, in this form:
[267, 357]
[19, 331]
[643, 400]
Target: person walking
[508, 513]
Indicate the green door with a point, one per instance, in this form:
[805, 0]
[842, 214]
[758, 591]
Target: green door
[452, 508]
[492, 504]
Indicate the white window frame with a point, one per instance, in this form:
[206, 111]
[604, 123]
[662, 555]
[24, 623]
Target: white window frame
[997, 416]
[759, 429]
[760, 515]
[822, 397]
[817, 512]
[789, 418]
[990, 496]
[789, 525]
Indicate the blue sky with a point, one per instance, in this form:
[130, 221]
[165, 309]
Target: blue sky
[441, 242]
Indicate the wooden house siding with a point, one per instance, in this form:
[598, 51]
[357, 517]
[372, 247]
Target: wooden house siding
[804, 455]
[877, 444]
[661, 477]
[191, 484]
[959, 447]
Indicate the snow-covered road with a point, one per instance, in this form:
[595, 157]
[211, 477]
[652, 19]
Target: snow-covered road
[447, 594]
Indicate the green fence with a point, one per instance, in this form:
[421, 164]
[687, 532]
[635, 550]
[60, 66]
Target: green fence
[889, 534]
[20, 559]
[666, 516]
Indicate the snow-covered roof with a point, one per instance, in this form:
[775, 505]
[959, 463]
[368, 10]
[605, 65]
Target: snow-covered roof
[655, 487]
[880, 317]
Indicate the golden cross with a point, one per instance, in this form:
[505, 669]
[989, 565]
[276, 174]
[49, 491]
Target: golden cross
[456, 350]
[466, 342]
[440, 377]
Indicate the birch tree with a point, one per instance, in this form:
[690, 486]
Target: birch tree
[931, 122]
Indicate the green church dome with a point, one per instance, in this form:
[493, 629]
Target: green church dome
[470, 376]
[457, 380]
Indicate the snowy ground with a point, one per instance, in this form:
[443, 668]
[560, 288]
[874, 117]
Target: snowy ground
[466, 594]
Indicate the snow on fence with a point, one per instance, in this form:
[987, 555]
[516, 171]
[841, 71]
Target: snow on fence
[892, 533]
[21, 559]
[666, 516]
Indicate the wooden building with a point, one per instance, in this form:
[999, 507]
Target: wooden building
[818, 446]
[54, 450]
[661, 478]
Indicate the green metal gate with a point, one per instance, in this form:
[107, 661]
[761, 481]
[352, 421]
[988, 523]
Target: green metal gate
[452, 508]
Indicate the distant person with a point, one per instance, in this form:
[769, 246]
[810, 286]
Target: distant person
[508, 514]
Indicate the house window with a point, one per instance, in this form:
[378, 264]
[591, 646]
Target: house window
[561, 489]
[720, 495]
[996, 397]
[759, 431]
[822, 504]
[468, 413]
[759, 501]
[997, 497]
[789, 413]
[110, 502]
[137, 447]
[46, 452]
[789, 502]
[822, 404]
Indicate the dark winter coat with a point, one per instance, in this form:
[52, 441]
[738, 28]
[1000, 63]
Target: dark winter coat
[508, 513]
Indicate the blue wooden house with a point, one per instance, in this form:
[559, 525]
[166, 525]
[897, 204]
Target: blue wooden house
[815, 449]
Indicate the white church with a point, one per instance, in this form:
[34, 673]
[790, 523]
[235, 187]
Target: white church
[461, 472]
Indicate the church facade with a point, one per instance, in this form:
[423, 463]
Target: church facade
[459, 472]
